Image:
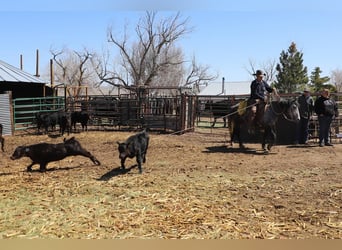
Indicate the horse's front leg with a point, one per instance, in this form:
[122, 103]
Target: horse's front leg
[273, 137]
[264, 137]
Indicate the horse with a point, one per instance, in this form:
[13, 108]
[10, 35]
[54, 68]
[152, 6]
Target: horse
[273, 110]
[219, 109]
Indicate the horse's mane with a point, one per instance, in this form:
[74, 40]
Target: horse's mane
[284, 102]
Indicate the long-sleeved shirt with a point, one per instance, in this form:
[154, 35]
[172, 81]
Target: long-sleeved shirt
[258, 89]
[306, 106]
[326, 106]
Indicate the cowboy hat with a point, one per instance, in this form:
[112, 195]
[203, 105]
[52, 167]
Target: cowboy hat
[259, 73]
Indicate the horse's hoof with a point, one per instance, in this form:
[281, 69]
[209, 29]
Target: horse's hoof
[266, 152]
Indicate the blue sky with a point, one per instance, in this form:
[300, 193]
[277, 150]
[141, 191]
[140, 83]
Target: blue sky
[227, 34]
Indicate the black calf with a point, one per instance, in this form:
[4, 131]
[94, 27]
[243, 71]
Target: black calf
[79, 116]
[47, 120]
[135, 146]
[43, 153]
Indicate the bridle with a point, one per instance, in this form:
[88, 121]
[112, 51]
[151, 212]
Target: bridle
[282, 112]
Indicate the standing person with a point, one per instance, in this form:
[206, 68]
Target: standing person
[306, 107]
[259, 87]
[326, 109]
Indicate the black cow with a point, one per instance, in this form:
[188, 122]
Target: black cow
[135, 146]
[219, 109]
[80, 116]
[43, 121]
[43, 153]
[63, 122]
[2, 139]
[51, 119]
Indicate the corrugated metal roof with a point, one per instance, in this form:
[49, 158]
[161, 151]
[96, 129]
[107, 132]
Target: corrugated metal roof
[9, 73]
[229, 88]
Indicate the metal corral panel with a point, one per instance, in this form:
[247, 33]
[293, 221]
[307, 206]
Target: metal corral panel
[5, 114]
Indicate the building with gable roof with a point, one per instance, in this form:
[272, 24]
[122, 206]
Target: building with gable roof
[21, 83]
[226, 88]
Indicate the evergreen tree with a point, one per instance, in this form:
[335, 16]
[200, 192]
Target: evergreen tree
[292, 75]
[318, 82]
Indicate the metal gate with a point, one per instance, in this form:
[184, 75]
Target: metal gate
[24, 109]
[175, 113]
[6, 114]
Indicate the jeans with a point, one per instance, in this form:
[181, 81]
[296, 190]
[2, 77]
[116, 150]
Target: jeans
[324, 122]
[303, 130]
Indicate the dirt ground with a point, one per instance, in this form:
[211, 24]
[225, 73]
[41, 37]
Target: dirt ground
[194, 186]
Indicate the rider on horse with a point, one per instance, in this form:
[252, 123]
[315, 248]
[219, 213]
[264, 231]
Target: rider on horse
[258, 97]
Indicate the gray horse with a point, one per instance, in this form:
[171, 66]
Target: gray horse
[273, 110]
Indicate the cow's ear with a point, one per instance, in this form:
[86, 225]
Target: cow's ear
[118, 142]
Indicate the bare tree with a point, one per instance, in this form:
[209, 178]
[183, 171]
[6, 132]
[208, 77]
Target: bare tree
[269, 67]
[336, 79]
[145, 60]
[73, 68]
[170, 76]
[198, 75]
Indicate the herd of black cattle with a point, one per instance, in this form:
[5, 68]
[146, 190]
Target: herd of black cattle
[48, 120]
[43, 153]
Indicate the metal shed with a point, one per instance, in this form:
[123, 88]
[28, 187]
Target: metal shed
[226, 88]
[21, 83]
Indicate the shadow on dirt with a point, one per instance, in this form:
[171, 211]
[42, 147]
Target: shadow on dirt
[53, 169]
[4, 174]
[303, 145]
[115, 172]
[225, 149]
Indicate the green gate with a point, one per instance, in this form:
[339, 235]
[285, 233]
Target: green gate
[24, 109]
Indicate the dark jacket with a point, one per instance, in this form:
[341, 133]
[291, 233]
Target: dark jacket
[326, 106]
[258, 89]
[306, 106]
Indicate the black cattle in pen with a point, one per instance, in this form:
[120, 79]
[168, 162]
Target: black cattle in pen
[43, 153]
[219, 109]
[135, 146]
[43, 122]
[81, 117]
[48, 120]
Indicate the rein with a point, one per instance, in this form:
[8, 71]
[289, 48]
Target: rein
[282, 112]
[277, 114]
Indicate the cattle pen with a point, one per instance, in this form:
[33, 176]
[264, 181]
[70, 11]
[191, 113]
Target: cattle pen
[142, 107]
[168, 110]
[194, 185]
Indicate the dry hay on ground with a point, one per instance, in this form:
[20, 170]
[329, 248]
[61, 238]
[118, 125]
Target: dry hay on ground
[193, 187]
